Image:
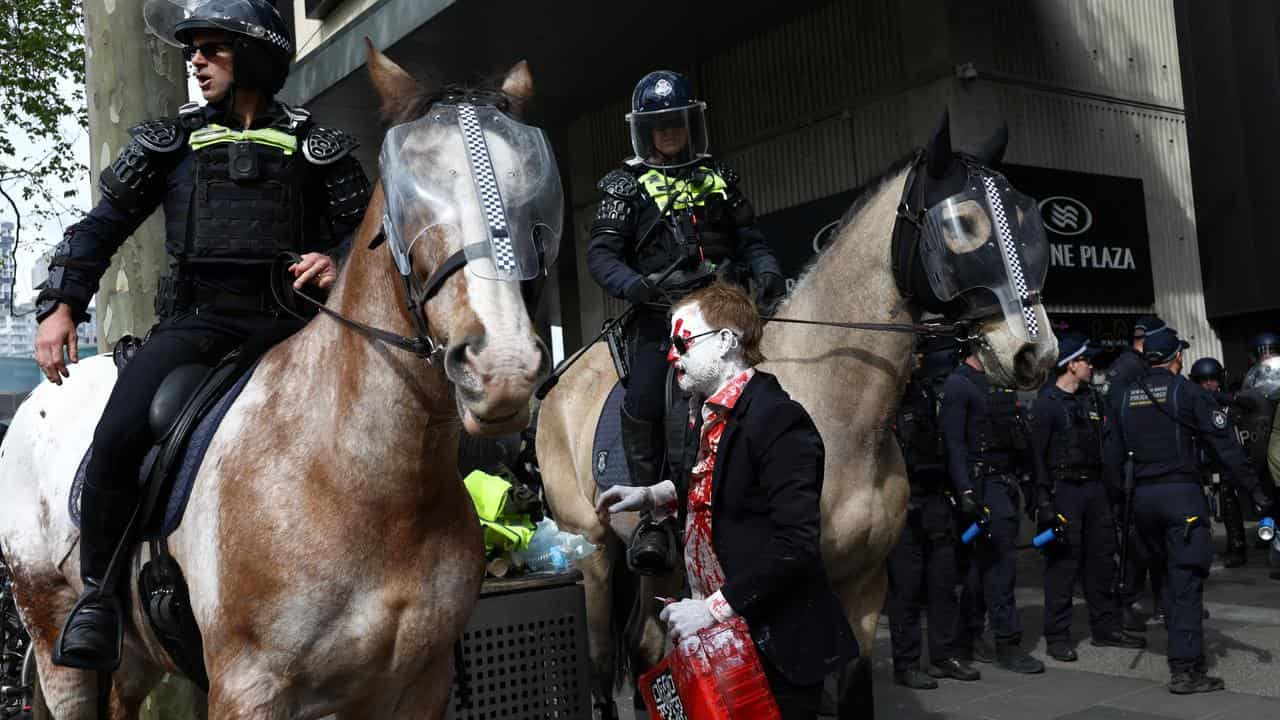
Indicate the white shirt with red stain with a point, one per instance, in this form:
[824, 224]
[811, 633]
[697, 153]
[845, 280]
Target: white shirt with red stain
[705, 574]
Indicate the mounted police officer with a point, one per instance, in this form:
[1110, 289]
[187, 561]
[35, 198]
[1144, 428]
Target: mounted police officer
[1161, 418]
[1254, 405]
[1209, 374]
[987, 445]
[672, 219]
[241, 179]
[924, 561]
[1072, 499]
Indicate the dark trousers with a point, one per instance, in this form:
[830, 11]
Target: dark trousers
[1087, 555]
[123, 434]
[645, 392]
[922, 574]
[989, 583]
[795, 702]
[1164, 514]
[1233, 516]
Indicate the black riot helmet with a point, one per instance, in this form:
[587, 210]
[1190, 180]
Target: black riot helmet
[1207, 368]
[668, 126]
[1264, 345]
[261, 42]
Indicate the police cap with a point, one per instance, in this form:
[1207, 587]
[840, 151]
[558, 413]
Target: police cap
[1160, 347]
[1146, 325]
[1072, 346]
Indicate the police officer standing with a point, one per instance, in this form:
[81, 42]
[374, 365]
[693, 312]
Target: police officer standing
[1209, 374]
[924, 561]
[1072, 500]
[1161, 418]
[241, 179]
[670, 206]
[1253, 407]
[986, 441]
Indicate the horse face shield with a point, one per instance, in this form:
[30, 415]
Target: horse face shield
[988, 243]
[470, 171]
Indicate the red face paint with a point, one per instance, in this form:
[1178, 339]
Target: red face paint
[678, 330]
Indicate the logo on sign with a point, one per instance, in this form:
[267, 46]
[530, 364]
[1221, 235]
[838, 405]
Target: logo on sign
[1065, 215]
[665, 698]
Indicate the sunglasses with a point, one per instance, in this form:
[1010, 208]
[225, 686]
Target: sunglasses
[682, 344]
[209, 50]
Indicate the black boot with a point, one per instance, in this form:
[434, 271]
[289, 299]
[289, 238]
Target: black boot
[914, 679]
[1189, 683]
[1132, 621]
[1236, 553]
[1013, 658]
[92, 636]
[650, 552]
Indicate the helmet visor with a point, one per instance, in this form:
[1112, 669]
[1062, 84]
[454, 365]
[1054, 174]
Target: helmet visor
[172, 21]
[472, 173]
[988, 237]
[669, 138]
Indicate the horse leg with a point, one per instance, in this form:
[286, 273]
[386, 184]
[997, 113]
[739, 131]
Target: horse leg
[426, 699]
[597, 576]
[247, 693]
[863, 602]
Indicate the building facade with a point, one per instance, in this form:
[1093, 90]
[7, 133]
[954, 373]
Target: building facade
[810, 100]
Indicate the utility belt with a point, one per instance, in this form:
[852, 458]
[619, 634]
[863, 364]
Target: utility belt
[1076, 475]
[179, 294]
[991, 470]
[1169, 479]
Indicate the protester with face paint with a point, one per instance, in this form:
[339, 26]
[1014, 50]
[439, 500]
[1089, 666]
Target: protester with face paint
[751, 509]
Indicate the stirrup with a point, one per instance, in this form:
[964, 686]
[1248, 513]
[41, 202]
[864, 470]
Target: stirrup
[652, 539]
[108, 663]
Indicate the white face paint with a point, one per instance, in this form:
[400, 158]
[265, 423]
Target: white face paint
[711, 358]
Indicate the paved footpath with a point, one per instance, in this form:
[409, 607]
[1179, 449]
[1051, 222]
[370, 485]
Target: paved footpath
[1242, 643]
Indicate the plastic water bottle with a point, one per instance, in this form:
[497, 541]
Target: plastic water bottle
[1267, 529]
[971, 533]
[552, 549]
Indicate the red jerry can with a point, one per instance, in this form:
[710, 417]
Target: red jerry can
[714, 675]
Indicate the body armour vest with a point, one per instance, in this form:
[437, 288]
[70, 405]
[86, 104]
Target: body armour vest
[1252, 420]
[1151, 429]
[919, 434]
[1001, 431]
[1077, 449]
[246, 197]
[699, 208]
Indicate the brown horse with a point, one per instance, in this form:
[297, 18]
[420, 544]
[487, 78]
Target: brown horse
[850, 381]
[332, 553]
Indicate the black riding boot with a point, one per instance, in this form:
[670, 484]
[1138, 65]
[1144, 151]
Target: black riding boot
[91, 637]
[650, 551]
[1233, 522]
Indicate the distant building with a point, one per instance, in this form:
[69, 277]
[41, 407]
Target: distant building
[18, 320]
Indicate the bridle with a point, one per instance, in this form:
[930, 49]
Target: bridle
[417, 292]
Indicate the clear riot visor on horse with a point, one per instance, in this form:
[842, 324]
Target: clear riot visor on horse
[988, 237]
[669, 138]
[471, 171]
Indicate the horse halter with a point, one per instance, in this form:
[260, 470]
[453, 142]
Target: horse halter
[1009, 265]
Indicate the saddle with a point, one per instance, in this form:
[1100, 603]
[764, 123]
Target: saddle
[185, 414]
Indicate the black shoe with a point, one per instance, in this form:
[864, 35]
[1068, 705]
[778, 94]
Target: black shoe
[981, 651]
[1132, 621]
[914, 679]
[1194, 682]
[1062, 652]
[650, 552]
[1014, 659]
[1118, 639]
[1234, 557]
[954, 669]
[92, 635]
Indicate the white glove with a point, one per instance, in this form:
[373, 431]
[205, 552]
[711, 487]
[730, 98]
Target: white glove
[619, 498]
[686, 618]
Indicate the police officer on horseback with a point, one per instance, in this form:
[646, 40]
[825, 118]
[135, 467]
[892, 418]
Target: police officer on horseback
[1073, 500]
[1161, 418]
[672, 220]
[241, 179]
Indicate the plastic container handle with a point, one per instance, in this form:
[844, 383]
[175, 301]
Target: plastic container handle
[1044, 538]
[971, 533]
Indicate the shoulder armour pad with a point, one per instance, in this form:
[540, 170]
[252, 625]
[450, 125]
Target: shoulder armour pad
[326, 145]
[619, 184]
[727, 172]
[191, 116]
[161, 136]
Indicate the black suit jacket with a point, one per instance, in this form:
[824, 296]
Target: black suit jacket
[765, 530]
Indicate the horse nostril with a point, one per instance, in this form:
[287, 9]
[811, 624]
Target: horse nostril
[1026, 367]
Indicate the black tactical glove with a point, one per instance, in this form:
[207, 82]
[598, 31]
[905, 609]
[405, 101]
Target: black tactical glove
[641, 291]
[770, 287]
[968, 505]
[1046, 516]
[1261, 500]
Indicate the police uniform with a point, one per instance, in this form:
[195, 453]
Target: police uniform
[233, 200]
[1073, 499]
[1161, 418]
[658, 212]
[986, 442]
[923, 564]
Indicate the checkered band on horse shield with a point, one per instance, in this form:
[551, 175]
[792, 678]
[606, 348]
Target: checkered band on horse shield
[1012, 260]
[504, 255]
